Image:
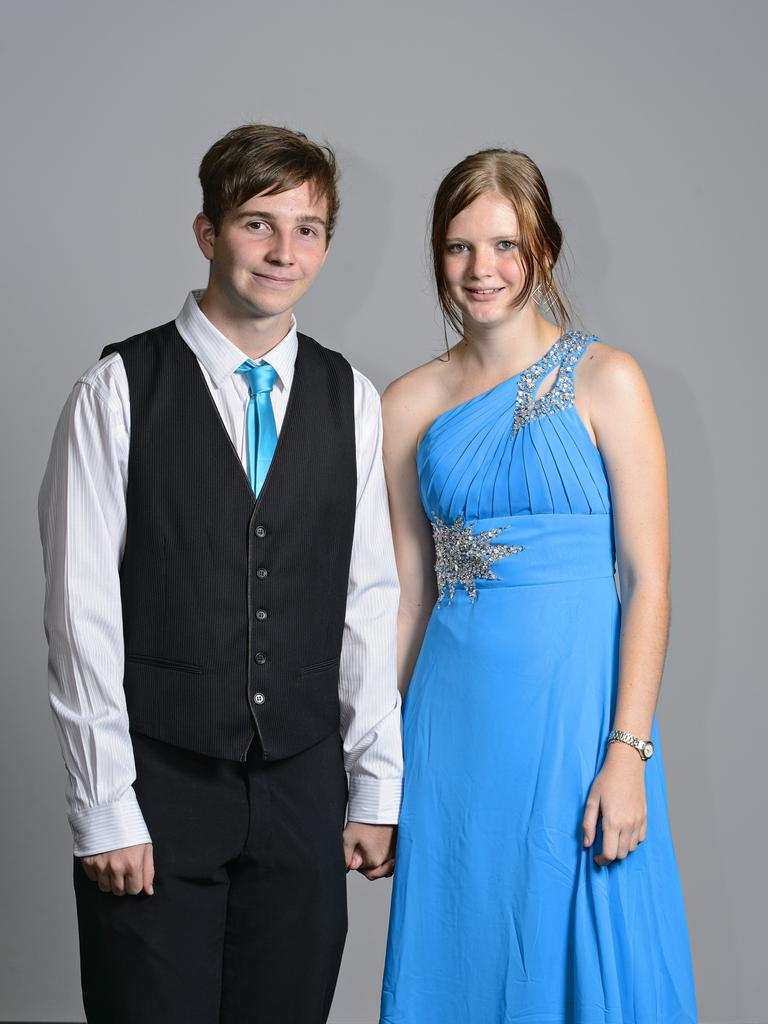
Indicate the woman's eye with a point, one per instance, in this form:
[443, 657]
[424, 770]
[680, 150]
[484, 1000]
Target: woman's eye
[507, 243]
[456, 247]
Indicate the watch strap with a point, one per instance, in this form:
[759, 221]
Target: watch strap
[643, 747]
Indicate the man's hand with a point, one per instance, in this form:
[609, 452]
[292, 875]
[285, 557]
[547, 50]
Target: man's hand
[370, 849]
[127, 871]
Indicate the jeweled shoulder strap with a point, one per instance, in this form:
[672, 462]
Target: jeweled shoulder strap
[563, 356]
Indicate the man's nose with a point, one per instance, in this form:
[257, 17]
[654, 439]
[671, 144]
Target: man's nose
[281, 250]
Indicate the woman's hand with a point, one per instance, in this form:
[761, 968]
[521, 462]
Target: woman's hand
[618, 794]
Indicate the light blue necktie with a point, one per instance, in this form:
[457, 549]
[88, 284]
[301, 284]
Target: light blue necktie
[259, 421]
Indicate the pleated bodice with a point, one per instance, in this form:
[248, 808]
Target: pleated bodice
[507, 452]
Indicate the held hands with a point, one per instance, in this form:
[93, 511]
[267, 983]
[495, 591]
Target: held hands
[370, 849]
[127, 871]
[618, 794]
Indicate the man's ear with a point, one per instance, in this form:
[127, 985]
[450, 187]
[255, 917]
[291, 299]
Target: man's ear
[205, 234]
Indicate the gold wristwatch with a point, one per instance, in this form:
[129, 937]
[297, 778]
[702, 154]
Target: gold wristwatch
[643, 747]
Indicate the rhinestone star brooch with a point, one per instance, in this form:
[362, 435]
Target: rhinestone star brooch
[463, 556]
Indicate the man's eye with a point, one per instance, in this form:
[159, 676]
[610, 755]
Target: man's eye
[256, 224]
[307, 232]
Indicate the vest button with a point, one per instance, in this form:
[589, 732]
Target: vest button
[260, 531]
[260, 658]
[262, 573]
[261, 615]
[259, 698]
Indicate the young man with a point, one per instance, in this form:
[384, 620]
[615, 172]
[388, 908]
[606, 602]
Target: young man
[220, 607]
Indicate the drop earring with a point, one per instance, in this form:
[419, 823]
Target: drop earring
[542, 296]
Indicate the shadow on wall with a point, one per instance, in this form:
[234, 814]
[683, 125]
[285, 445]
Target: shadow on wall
[688, 697]
[587, 258]
[358, 254]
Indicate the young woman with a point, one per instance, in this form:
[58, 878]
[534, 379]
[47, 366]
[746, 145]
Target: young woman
[536, 879]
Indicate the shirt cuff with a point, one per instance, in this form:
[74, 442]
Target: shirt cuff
[374, 801]
[109, 827]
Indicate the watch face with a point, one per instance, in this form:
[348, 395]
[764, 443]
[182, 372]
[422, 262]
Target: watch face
[648, 749]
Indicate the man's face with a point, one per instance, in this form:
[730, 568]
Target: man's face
[267, 252]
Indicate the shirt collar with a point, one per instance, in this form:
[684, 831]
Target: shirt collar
[217, 353]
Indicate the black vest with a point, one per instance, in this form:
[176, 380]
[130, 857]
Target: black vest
[233, 607]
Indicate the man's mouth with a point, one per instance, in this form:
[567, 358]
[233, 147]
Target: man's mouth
[280, 282]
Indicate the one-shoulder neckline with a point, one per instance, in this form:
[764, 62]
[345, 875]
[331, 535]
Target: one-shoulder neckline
[496, 387]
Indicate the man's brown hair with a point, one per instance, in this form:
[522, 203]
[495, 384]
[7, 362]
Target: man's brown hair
[259, 159]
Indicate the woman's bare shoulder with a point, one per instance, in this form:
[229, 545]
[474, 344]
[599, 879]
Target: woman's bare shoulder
[429, 377]
[608, 368]
[611, 387]
[413, 400]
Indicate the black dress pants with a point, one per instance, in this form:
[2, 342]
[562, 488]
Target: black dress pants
[249, 916]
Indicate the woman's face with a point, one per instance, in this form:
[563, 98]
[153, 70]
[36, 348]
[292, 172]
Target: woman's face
[481, 261]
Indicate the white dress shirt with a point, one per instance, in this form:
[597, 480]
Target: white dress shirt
[83, 526]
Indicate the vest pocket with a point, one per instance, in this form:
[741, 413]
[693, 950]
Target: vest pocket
[308, 707]
[174, 666]
[320, 666]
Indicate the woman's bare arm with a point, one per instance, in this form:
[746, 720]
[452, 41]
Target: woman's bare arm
[622, 416]
[414, 549]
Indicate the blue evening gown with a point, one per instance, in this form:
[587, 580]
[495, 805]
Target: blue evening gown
[499, 915]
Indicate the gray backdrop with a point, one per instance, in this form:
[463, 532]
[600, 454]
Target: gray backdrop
[645, 119]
